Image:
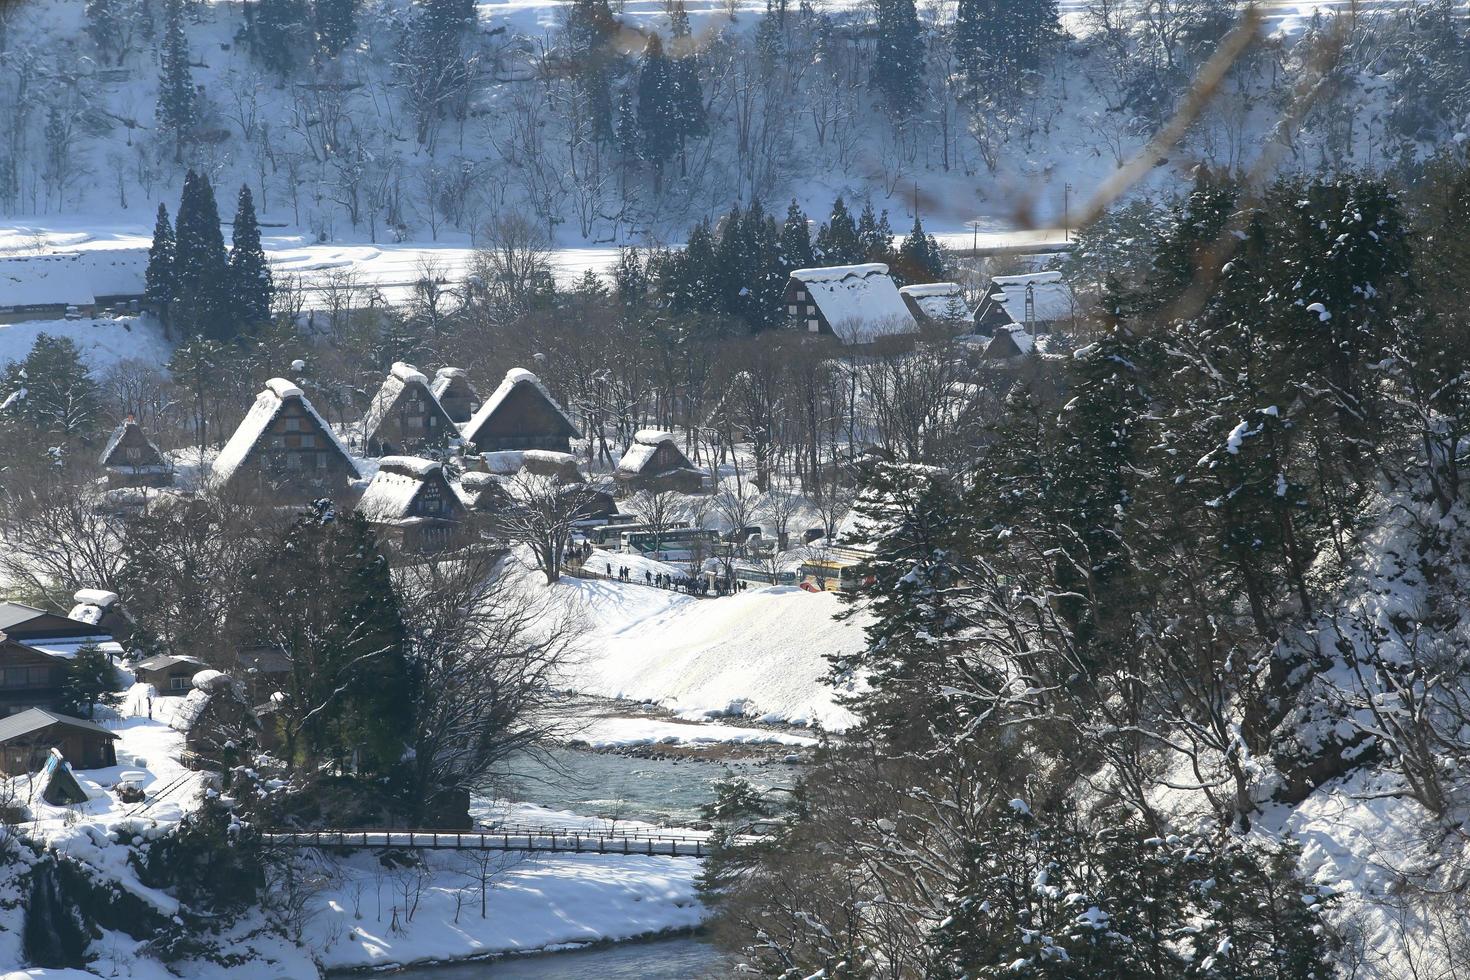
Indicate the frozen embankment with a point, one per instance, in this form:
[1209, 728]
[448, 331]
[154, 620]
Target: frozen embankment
[761, 654]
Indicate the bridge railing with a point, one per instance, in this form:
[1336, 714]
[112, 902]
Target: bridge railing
[551, 839]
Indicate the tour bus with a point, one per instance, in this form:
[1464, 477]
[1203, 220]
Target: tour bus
[612, 534]
[830, 575]
[677, 542]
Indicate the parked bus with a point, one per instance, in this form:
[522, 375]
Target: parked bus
[673, 542]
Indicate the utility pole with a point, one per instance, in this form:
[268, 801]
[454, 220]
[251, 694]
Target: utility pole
[1066, 212]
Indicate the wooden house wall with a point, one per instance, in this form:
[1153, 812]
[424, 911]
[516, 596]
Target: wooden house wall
[415, 421]
[459, 400]
[524, 420]
[28, 679]
[296, 458]
[84, 750]
[802, 311]
[162, 680]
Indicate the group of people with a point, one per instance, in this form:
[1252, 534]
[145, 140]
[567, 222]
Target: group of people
[691, 584]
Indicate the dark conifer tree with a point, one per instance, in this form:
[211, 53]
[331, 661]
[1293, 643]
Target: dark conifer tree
[837, 240]
[919, 259]
[177, 110]
[898, 62]
[52, 390]
[796, 240]
[658, 108]
[688, 94]
[158, 281]
[590, 30]
[628, 138]
[275, 29]
[201, 267]
[874, 236]
[334, 24]
[250, 282]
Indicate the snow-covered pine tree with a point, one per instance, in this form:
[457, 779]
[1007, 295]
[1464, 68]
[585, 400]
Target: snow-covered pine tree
[201, 267]
[250, 283]
[796, 240]
[919, 258]
[898, 61]
[159, 280]
[589, 38]
[874, 236]
[177, 110]
[60, 398]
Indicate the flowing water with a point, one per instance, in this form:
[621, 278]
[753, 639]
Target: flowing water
[662, 959]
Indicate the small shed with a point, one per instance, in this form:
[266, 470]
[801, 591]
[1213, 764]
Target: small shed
[857, 304]
[28, 737]
[132, 460]
[283, 447]
[455, 393]
[1008, 345]
[655, 462]
[520, 414]
[405, 416]
[413, 502]
[938, 302]
[169, 675]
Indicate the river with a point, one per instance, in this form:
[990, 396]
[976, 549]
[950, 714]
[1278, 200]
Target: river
[667, 791]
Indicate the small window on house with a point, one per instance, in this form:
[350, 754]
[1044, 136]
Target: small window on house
[308, 440]
[321, 461]
[801, 294]
[293, 461]
[812, 326]
[291, 424]
[791, 309]
[133, 454]
[178, 683]
[433, 421]
[39, 676]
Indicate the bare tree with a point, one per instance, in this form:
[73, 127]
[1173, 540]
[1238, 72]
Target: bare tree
[544, 511]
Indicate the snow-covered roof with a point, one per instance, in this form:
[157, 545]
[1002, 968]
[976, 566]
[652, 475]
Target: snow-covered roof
[71, 278]
[1051, 297]
[164, 661]
[91, 605]
[67, 647]
[645, 444]
[513, 377]
[860, 302]
[400, 378]
[938, 300]
[390, 496]
[44, 280]
[95, 597]
[268, 405]
[128, 425]
[507, 462]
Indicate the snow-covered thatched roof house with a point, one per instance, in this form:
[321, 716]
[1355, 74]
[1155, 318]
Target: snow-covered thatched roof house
[937, 302]
[484, 493]
[132, 460]
[413, 502]
[521, 414]
[855, 303]
[405, 416]
[456, 395]
[1039, 301]
[655, 462]
[43, 287]
[284, 447]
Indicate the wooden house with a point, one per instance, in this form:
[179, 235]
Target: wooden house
[169, 675]
[405, 416]
[284, 448]
[413, 503]
[941, 303]
[857, 304]
[456, 395]
[29, 678]
[28, 737]
[132, 460]
[655, 462]
[521, 414]
[1039, 302]
[71, 284]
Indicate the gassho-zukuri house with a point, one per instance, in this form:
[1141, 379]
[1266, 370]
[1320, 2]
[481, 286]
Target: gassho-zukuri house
[456, 395]
[1039, 302]
[654, 462]
[857, 304]
[405, 416]
[521, 414]
[412, 501]
[132, 460]
[284, 447]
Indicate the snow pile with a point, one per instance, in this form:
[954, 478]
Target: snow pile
[860, 302]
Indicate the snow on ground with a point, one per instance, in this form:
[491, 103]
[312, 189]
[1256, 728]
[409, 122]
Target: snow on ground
[758, 654]
[608, 563]
[608, 733]
[104, 342]
[534, 902]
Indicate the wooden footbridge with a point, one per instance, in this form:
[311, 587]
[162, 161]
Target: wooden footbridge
[561, 840]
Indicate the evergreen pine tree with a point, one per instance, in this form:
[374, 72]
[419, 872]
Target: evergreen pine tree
[177, 110]
[898, 62]
[251, 286]
[201, 267]
[919, 259]
[837, 240]
[627, 131]
[158, 288]
[590, 30]
[59, 396]
[874, 236]
[999, 43]
[688, 94]
[658, 108]
[90, 680]
[796, 240]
